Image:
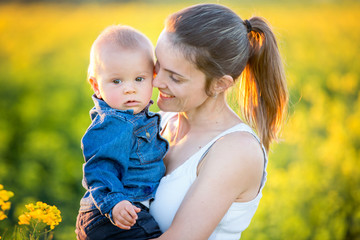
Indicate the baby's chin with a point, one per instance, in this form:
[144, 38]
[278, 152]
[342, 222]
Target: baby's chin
[135, 110]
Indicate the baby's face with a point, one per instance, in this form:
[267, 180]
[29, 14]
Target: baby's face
[124, 78]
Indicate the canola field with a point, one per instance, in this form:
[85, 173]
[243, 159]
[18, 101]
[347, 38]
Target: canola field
[313, 183]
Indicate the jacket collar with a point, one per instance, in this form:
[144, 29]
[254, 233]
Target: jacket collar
[103, 106]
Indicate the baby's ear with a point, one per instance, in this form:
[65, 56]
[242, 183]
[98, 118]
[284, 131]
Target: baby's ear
[95, 86]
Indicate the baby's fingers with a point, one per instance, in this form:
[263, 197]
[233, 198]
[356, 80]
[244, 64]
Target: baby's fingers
[122, 226]
[133, 210]
[124, 220]
[137, 209]
[127, 217]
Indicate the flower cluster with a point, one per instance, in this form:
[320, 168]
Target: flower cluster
[39, 219]
[49, 215]
[4, 201]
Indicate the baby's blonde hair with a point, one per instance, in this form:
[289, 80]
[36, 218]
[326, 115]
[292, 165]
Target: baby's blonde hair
[121, 36]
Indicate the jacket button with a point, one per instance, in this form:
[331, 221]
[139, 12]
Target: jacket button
[147, 135]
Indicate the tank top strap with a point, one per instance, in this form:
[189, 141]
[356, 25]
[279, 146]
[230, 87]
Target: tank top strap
[241, 127]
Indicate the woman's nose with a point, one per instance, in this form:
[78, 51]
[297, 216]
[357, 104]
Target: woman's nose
[158, 81]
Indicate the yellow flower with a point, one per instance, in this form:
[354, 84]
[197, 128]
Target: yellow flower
[30, 207]
[49, 215]
[24, 219]
[5, 195]
[4, 204]
[2, 215]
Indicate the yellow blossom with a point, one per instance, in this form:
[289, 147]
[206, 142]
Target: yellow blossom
[49, 215]
[4, 204]
[24, 219]
[5, 195]
[2, 215]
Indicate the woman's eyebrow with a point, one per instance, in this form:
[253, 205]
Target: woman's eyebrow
[171, 71]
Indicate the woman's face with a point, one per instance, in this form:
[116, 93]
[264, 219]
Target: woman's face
[181, 85]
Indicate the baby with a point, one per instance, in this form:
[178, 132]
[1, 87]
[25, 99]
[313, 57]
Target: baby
[122, 147]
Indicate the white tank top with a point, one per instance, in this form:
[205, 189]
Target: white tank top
[174, 186]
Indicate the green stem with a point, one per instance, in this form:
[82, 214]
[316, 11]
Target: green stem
[34, 235]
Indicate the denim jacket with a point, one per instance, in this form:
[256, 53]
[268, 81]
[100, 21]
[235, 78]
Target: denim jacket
[123, 156]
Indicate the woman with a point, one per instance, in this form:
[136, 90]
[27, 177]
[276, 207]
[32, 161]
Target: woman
[216, 165]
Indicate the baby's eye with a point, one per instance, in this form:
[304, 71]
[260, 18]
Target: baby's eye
[117, 81]
[139, 79]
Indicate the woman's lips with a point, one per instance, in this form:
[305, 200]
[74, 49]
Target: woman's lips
[166, 96]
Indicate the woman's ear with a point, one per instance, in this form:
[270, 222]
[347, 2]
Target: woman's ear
[95, 86]
[222, 84]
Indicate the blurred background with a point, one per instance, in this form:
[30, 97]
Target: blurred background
[313, 187]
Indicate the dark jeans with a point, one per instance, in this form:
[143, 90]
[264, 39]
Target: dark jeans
[94, 226]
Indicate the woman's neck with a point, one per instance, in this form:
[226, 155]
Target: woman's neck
[214, 113]
[201, 124]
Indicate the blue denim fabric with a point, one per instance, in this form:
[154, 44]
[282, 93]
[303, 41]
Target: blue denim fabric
[94, 226]
[123, 157]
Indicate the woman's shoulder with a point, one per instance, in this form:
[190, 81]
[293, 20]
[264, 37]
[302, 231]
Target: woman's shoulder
[238, 159]
[240, 146]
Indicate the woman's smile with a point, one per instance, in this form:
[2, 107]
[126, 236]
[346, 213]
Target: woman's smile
[165, 96]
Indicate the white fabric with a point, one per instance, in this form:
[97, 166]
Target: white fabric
[174, 186]
[146, 203]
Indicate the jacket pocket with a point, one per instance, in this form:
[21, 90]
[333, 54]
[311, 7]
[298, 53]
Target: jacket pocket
[148, 144]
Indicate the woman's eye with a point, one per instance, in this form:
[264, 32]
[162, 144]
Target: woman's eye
[139, 79]
[174, 79]
[117, 81]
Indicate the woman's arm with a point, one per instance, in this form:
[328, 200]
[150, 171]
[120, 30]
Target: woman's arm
[231, 171]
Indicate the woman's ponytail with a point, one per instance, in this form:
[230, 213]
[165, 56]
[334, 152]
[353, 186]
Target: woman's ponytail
[263, 82]
[220, 43]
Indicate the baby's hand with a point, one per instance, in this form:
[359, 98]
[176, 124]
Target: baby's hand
[125, 214]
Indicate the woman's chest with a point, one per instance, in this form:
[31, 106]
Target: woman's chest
[183, 148]
[178, 154]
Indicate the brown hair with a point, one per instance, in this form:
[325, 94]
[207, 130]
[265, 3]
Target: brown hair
[220, 43]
